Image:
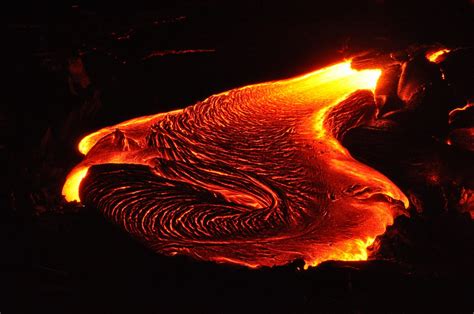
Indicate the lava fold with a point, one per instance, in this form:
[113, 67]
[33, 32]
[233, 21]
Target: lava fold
[254, 176]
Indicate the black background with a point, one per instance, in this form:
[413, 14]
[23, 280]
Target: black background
[75, 261]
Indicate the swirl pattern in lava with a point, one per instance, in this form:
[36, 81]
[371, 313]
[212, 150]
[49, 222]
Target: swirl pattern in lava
[254, 176]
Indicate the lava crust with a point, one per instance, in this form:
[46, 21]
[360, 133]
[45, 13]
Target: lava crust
[254, 176]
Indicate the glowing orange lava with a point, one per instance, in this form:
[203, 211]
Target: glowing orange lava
[456, 111]
[253, 176]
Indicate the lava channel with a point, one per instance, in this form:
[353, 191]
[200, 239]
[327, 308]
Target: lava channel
[254, 176]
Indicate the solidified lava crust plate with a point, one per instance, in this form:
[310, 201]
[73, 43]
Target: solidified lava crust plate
[254, 176]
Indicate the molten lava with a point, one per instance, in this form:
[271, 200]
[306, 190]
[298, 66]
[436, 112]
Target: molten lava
[435, 56]
[254, 176]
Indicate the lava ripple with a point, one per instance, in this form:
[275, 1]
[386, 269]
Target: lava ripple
[254, 176]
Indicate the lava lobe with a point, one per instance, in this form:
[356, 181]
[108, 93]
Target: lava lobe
[254, 176]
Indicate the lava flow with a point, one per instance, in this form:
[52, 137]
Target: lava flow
[254, 176]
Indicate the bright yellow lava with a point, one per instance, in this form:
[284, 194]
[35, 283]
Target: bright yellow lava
[73, 181]
[353, 250]
[434, 56]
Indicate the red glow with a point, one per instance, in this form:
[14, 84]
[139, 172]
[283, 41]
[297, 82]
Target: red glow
[176, 52]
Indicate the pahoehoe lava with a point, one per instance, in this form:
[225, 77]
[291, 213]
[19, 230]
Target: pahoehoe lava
[254, 176]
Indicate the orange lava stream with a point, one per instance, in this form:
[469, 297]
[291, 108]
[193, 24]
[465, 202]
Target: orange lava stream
[290, 217]
[455, 111]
